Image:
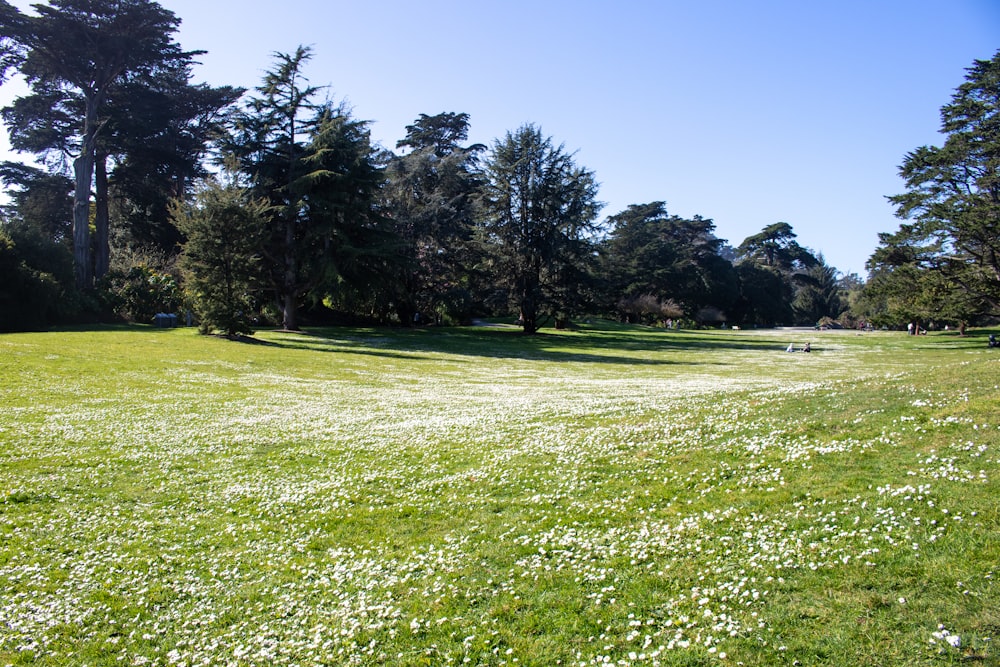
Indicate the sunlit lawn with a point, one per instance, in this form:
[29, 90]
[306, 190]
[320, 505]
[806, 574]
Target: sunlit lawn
[609, 495]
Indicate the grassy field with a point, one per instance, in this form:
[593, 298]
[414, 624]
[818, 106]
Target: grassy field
[606, 496]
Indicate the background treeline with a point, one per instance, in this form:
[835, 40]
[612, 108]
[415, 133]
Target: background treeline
[273, 206]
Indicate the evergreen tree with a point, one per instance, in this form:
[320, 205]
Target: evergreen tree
[158, 134]
[953, 205]
[538, 212]
[817, 294]
[771, 267]
[40, 199]
[73, 54]
[315, 166]
[430, 196]
[221, 260]
[651, 253]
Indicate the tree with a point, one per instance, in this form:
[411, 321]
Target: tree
[358, 258]
[221, 260]
[765, 296]
[315, 166]
[649, 252]
[771, 266]
[430, 194]
[818, 294]
[953, 201]
[775, 246]
[904, 285]
[36, 274]
[73, 53]
[538, 211]
[158, 132]
[40, 199]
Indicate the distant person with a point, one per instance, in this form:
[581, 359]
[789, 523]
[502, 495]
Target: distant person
[808, 348]
[791, 347]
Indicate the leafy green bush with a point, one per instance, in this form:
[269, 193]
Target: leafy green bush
[35, 278]
[138, 294]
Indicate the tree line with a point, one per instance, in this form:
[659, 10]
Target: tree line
[274, 206]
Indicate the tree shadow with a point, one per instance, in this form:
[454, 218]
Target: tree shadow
[505, 342]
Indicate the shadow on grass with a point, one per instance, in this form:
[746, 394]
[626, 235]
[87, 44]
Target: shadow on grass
[583, 345]
[599, 343]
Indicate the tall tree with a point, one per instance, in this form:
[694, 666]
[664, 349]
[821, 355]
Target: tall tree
[771, 266]
[953, 198]
[538, 212]
[907, 285]
[817, 294]
[430, 194]
[159, 131]
[269, 145]
[78, 51]
[315, 166]
[649, 252]
[357, 260]
[156, 131]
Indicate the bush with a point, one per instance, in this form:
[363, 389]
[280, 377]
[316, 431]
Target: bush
[35, 279]
[138, 294]
[647, 308]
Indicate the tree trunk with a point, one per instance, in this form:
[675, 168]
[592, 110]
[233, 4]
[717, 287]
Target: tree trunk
[290, 315]
[83, 168]
[290, 319]
[529, 315]
[102, 243]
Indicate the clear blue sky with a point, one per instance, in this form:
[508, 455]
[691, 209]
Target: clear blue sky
[748, 113]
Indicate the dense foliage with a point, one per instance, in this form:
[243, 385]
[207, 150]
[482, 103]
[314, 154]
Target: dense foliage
[538, 209]
[225, 229]
[439, 232]
[943, 264]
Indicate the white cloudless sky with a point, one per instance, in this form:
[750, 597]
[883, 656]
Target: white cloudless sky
[747, 113]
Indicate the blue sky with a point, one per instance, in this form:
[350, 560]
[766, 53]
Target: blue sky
[748, 113]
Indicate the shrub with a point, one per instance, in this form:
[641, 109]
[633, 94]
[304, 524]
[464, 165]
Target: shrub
[35, 278]
[138, 294]
[648, 308]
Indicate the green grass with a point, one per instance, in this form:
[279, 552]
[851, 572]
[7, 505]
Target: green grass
[609, 495]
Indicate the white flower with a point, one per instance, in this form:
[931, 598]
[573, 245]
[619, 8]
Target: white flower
[943, 634]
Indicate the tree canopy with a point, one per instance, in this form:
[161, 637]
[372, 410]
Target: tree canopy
[78, 51]
[651, 254]
[538, 214]
[316, 168]
[440, 230]
[944, 262]
[222, 257]
[430, 195]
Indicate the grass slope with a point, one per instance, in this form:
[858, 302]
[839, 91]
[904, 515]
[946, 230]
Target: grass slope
[469, 496]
